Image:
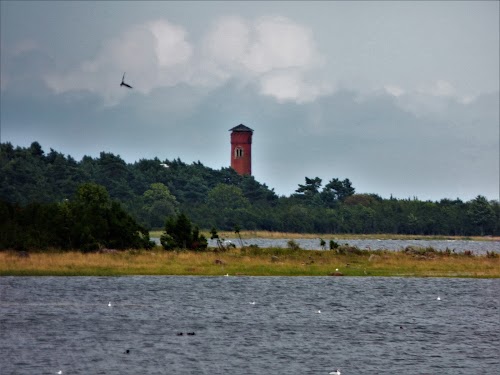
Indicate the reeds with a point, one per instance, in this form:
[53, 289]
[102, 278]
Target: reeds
[249, 262]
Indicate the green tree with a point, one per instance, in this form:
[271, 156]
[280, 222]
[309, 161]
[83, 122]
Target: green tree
[311, 187]
[228, 206]
[481, 215]
[36, 150]
[103, 223]
[23, 175]
[366, 200]
[297, 219]
[112, 173]
[181, 234]
[337, 190]
[159, 203]
[227, 197]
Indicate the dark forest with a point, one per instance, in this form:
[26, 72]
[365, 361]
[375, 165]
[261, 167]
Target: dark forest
[148, 192]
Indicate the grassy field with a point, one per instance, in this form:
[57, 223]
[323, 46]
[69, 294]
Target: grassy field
[248, 262]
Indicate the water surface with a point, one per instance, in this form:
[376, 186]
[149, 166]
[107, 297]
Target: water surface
[459, 246]
[366, 325]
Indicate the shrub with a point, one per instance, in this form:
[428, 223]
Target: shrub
[292, 245]
[346, 250]
[179, 234]
[333, 245]
[322, 243]
[415, 250]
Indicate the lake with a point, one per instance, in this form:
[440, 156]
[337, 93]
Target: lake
[459, 246]
[366, 325]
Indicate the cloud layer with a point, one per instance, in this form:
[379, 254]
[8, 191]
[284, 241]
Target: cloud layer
[409, 126]
[273, 54]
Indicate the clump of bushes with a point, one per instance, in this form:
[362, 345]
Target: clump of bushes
[334, 245]
[348, 250]
[419, 251]
[293, 245]
[322, 243]
[181, 234]
[430, 252]
[90, 221]
[344, 249]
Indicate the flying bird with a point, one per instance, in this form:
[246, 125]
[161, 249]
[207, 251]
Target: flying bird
[123, 82]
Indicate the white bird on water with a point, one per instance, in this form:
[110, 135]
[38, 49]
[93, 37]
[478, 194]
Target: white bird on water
[59, 372]
[439, 298]
[319, 311]
[336, 372]
[109, 304]
[252, 303]
[226, 274]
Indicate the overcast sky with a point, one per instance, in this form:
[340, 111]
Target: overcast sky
[401, 97]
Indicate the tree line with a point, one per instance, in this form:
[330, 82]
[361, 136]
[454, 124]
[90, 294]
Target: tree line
[151, 190]
[89, 221]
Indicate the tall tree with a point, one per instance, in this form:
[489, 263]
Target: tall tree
[159, 204]
[103, 223]
[337, 190]
[481, 215]
[311, 186]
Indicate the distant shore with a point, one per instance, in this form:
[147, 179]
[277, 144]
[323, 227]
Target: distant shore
[247, 234]
[250, 262]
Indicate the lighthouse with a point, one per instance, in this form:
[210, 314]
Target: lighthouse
[241, 149]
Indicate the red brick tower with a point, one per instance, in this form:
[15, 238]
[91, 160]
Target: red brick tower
[241, 149]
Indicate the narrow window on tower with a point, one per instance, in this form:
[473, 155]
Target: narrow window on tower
[238, 152]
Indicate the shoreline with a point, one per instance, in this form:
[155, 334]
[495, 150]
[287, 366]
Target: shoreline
[250, 262]
[249, 234]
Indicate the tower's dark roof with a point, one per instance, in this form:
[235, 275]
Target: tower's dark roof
[241, 128]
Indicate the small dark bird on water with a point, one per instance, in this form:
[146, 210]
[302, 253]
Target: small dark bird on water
[123, 82]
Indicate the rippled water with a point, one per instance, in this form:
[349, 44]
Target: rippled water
[366, 325]
[478, 247]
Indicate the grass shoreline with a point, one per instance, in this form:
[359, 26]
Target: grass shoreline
[250, 262]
